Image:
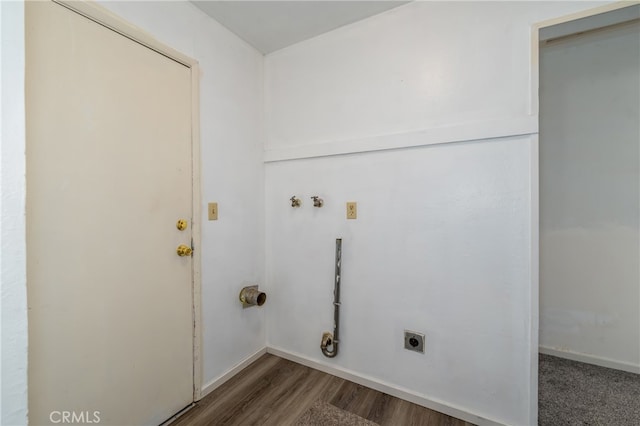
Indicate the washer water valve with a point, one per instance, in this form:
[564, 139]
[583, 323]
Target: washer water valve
[317, 201]
[295, 201]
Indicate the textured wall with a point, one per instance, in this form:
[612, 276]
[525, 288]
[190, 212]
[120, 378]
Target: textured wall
[445, 241]
[440, 246]
[13, 280]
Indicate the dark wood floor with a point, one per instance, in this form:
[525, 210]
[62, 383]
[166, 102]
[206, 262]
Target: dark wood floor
[275, 391]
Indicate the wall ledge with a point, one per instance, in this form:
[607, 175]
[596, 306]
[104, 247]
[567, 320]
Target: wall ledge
[433, 404]
[472, 131]
[591, 359]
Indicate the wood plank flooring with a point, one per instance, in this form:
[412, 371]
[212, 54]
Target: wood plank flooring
[275, 391]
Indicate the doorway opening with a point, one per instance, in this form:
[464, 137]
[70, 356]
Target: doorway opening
[589, 213]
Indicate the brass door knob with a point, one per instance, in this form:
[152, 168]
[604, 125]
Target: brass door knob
[183, 250]
[181, 224]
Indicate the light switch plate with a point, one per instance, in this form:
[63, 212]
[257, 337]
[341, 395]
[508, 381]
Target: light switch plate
[352, 210]
[213, 211]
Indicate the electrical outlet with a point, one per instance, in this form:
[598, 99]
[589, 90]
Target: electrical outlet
[352, 210]
[213, 211]
[414, 341]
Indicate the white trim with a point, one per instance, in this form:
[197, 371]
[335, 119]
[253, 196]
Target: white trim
[591, 359]
[535, 43]
[215, 383]
[534, 273]
[488, 129]
[398, 392]
[106, 18]
[196, 231]
[602, 21]
[587, 13]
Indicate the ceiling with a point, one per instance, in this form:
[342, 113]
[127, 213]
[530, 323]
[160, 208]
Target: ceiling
[272, 25]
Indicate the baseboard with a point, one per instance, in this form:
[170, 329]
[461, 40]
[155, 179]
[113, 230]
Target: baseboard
[591, 359]
[387, 388]
[215, 383]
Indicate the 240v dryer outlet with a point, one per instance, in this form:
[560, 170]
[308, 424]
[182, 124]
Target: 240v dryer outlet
[414, 341]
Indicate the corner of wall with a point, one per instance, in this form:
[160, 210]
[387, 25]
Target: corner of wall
[12, 219]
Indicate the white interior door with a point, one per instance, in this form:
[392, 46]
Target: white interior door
[109, 174]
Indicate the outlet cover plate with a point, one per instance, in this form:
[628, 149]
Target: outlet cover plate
[414, 341]
[352, 210]
[213, 211]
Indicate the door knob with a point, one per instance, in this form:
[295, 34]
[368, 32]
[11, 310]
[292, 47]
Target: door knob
[183, 250]
[181, 224]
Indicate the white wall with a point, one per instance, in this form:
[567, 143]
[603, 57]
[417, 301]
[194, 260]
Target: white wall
[419, 66]
[432, 250]
[232, 172]
[589, 196]
[445, 241]
[13, 292]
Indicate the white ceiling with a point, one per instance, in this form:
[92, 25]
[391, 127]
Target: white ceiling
[272, 25]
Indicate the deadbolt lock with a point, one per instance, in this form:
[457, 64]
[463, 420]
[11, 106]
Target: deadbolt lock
[183, 250]
[181, 224]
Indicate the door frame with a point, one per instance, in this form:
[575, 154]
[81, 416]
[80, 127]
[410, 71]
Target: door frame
[534, 110]
[104, 17]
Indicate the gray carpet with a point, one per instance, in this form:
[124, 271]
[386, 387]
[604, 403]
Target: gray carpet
[324, 414]
[574, 393]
